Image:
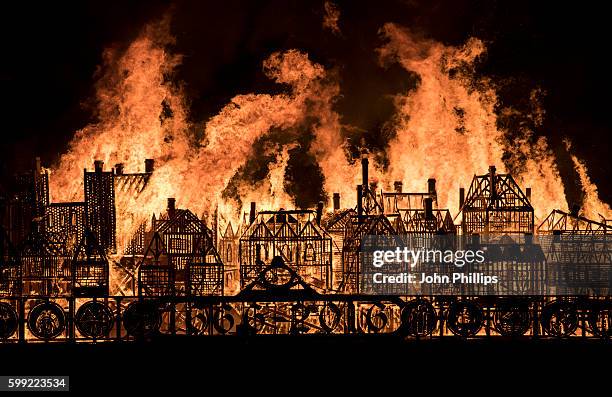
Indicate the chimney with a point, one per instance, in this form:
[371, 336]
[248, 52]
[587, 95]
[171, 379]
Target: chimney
[431, 186]
[119, 169]
[429, 208]
[398, 186]
[149, 165]
[492, 182]
[364, 173]
[319, 212]
[98, 165]
[528, 194]
[461, 197]
[359, 203]
[37, 165]
[252, 213]
[336, 201]
[171, 207]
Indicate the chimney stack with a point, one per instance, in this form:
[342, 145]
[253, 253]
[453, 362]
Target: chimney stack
[149, 165]
[364, 173]
[431, 186]
[492, 182]
[398, 186]
[119, 169]
[252, 213]
[98, 165]
[528, 194]
[429, 208]
[37, 165]
[461, 197]
[171, 207]
[319, 212]
[336, 201]
[359, 203]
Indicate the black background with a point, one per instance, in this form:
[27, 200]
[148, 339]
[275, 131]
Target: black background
[50, 52]
[319, 366]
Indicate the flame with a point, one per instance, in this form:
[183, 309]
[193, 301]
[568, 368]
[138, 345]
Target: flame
[271, 195]
[331, 17]
[142, 115]
[447, 127]
[592, 206]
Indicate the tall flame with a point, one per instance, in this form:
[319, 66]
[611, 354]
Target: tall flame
[445, 128]
[141, 114]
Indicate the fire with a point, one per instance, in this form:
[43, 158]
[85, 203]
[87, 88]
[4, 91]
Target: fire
[593, 207]
[446, 128]
[331, 17]
[142, 115]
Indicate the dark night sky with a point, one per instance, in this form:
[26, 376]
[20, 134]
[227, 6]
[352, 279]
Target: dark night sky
[50, 53]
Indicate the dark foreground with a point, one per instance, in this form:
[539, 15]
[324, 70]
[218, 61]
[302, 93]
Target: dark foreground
[225, 365]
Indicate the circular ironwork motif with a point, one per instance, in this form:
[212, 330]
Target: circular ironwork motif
[142, 319]
[512, 318]
[8, 321]
[600, 320]
[47, 320]
[419, 318]
[464, 318]
[94, 320]
[560, 319]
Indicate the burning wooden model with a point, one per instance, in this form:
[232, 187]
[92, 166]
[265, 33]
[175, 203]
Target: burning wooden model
[181, 258]
[296, 236]
[496, 204]
[79, 269]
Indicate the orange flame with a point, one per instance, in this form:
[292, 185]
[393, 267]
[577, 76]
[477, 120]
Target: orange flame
[446, 127]
[142, 114]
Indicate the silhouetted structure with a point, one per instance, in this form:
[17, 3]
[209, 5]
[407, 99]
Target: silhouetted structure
[100, 205]
[495, 204]
[65, 223]
[335, 224]
[27, 201]
[300, 272]
[90, 268]
[45, 265]
[296, 236]
[181, 257]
